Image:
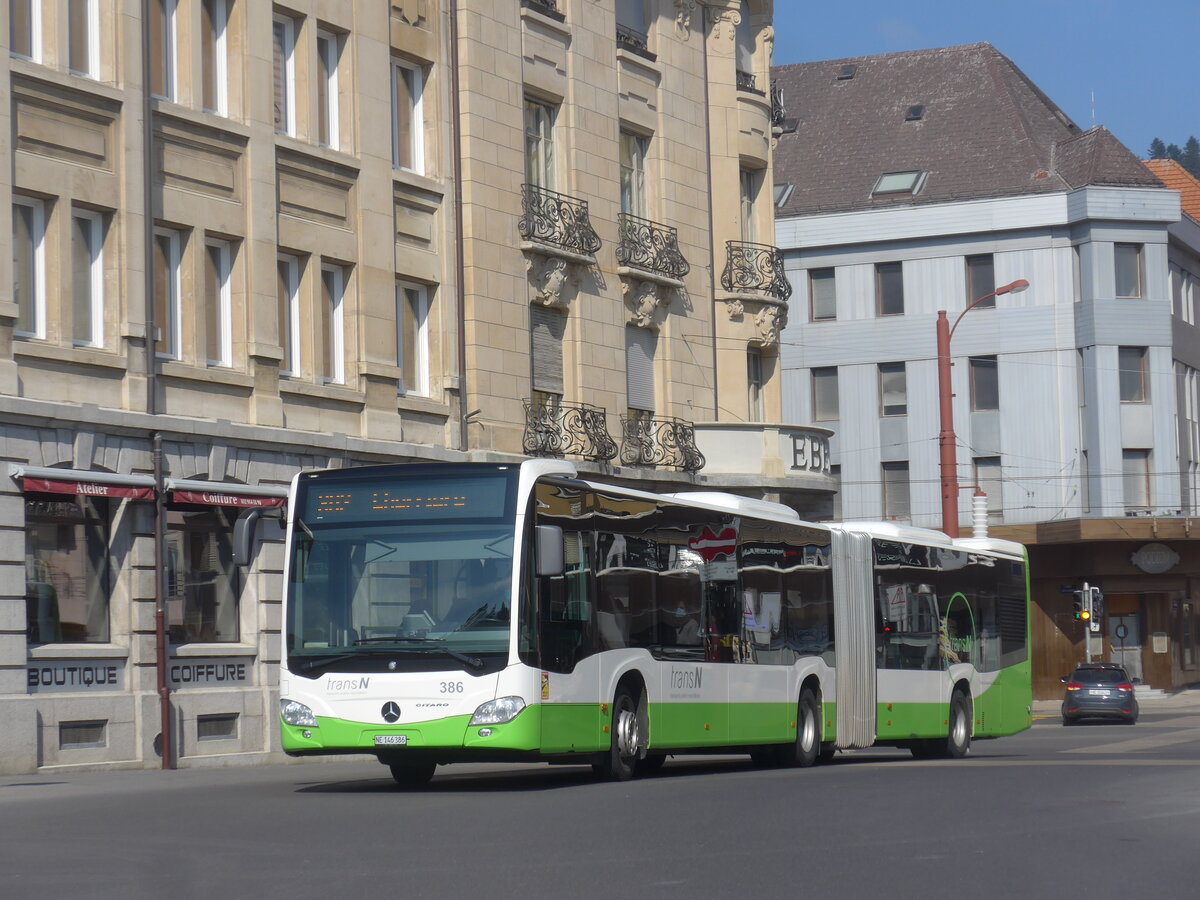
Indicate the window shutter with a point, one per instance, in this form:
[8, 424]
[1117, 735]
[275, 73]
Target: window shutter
[547, 327]
[640, 345]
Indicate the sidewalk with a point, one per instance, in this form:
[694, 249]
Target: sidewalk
[1185, 700]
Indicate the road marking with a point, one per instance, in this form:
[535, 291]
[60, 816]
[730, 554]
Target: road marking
[1148, 742]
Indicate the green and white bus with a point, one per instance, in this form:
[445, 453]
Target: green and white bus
[454, 612]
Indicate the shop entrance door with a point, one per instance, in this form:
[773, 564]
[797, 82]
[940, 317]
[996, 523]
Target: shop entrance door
[1125, 637]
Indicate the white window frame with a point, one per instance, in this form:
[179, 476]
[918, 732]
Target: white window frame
[290, 340]
[170, 10]
[335, 318]
[220, 26]
[416, 140]
[93, 41]
[35, 32]
[1136, 490]
[540, 158]
[95, 239]
[289, 72]
[421, 335]
[224, 302]
[749, 184]
[172, 327]
[38, 248]
[1139, 273]
[329, 49]
[633, 173]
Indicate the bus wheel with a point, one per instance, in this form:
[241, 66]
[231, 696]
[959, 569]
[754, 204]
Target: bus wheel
[958, 741]
[807, 748]
[412, 773]
[620, 762]
[650, 764]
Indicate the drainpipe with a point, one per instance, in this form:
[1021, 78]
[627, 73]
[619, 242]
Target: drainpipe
[160, 512]
[712, 222]
[460, 290]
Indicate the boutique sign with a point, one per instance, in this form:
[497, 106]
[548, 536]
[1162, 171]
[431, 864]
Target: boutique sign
[86, 676]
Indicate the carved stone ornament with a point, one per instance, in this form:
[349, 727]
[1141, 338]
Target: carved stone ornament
[647, 303]
[767, 36]
[769, 322]
[549, 276]
[722, 25]
[411, 12]
[735, 308]
[683, 18]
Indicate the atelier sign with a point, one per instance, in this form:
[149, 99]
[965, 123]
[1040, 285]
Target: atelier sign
[189, 673]
[76, 676]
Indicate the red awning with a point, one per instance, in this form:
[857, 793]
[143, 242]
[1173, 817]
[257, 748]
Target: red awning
[86, 488]
[220, 498]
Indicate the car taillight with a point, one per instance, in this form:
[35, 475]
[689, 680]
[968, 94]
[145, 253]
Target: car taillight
[1127, 688]
[1074, 686]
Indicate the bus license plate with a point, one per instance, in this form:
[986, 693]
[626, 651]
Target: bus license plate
[391, 740]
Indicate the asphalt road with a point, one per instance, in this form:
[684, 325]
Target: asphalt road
[1097, 810]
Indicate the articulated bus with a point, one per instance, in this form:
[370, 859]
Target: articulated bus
[452, 612]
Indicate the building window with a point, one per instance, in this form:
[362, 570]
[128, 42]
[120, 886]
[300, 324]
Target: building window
[67, 572]
[162, 48]
[987, 479]
[631, 22]
[744, 38]
[755, 383]
[547, 328]
[333, 347]
[288, 314]
[87, 278]
[412, 339]
[985, 383]
[981, 280]
[83, 37]
[214, 66]
[203, 584]
[539, 144]
[1135, 471]
[634, 149]
[1131, 361]
[329, 56]
[29, 266]
[895, 490]
[167, 252]
[284, 60]
[822, 294]
[750, 181]
[1127, 265]
[893, 389]
[408, 122]
[889, 289]
[640, 347]
[25, 28]
[218, 303]
[825, 394]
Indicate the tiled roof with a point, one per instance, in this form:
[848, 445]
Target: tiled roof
[1177, 178]
[985, 131]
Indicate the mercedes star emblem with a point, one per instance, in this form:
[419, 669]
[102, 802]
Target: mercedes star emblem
[391, 711]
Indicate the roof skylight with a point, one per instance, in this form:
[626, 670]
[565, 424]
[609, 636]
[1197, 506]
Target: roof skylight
[914, 113]
[847, 72]
[898, 183]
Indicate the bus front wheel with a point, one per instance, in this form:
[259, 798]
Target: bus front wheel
[625, 745]
[807, 748]
[412, 773]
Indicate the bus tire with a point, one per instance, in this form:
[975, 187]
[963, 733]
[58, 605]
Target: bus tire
[415, 773]
[958, 740]
[650, 764]
[807, 748]
[625, 733]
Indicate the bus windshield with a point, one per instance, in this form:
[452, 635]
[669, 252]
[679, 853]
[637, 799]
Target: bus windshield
[414, 591]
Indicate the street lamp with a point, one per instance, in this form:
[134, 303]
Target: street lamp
[946, 440]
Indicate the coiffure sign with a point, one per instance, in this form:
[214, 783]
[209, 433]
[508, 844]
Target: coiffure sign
[202, 673]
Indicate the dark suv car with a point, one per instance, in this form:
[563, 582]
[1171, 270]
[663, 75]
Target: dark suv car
[1101, 690]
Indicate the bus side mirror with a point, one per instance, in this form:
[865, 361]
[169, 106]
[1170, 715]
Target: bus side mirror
[244, 532]
[549, 549]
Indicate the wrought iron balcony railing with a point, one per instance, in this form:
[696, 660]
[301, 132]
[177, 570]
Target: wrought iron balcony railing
[747, 82]
[755, 269]
[632, 39]
[778, 113]
[559, 429]
[556, 219]
[650, 246]
[660, 441]
[550, 6]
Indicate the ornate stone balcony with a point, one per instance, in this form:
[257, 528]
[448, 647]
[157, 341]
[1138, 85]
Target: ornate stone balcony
[561, 429]
[659, 441]
[650, 247]
[546, 6]
[634, 41]
[755, 269]
[556, 220]
[746, 81]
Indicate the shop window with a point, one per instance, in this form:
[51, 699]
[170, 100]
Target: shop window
[203, 584]
[67, 571]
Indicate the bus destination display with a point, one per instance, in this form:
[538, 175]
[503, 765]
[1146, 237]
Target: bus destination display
[398, 500]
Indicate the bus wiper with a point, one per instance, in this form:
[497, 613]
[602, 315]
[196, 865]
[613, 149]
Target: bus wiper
[473, 661]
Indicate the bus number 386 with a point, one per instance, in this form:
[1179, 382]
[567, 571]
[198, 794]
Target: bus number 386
[451, 687]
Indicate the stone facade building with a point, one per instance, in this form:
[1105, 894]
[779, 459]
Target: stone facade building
[251, 239]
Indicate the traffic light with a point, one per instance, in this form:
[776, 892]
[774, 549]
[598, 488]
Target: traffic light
[1077, 606]
[1085, 612]
[1097, 603]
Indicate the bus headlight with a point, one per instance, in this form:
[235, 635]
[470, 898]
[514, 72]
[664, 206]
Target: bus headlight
[498, 711]
[294, 713]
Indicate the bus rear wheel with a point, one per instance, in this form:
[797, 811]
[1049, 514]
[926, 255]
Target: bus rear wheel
[412, 773]
[625, 733]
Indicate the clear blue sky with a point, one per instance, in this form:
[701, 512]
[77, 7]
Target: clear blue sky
[1139, 58]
